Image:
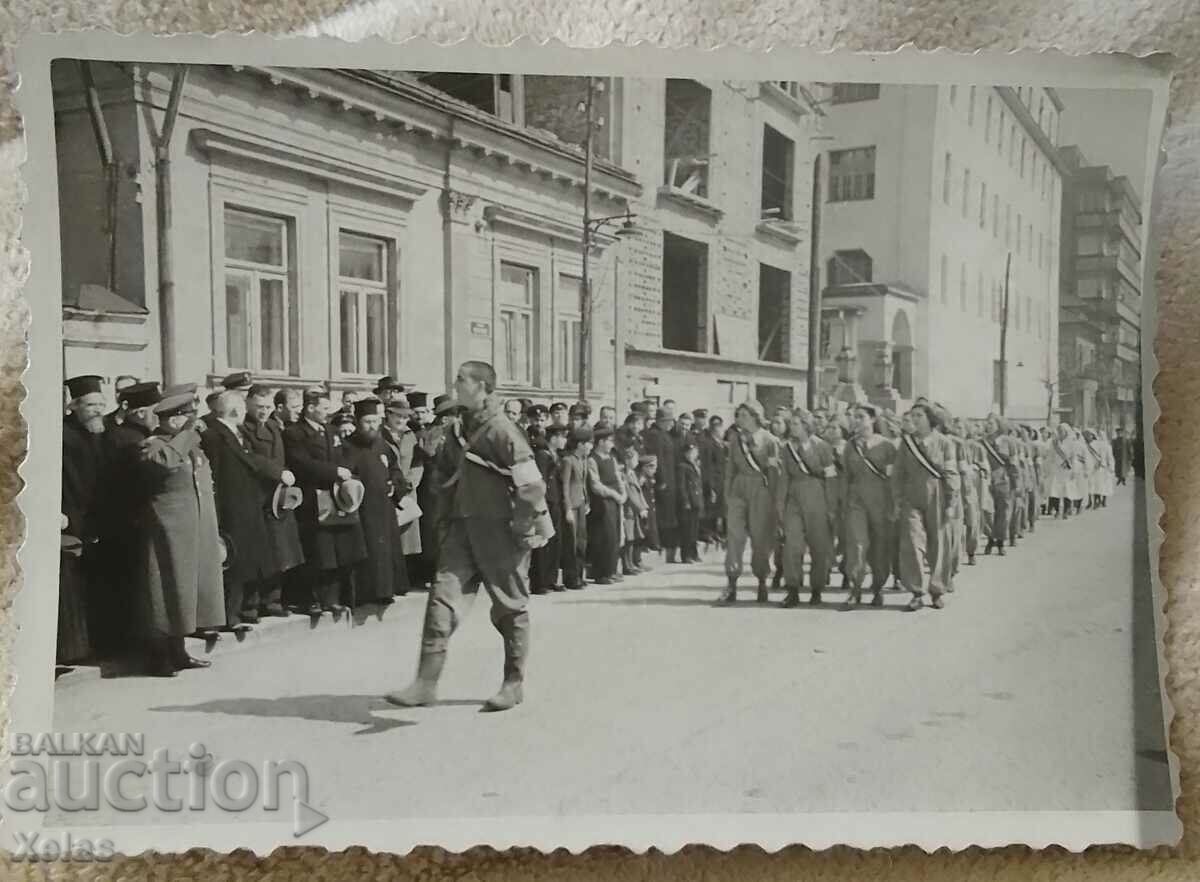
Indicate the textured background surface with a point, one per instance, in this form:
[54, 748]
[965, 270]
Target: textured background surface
[1135, 26]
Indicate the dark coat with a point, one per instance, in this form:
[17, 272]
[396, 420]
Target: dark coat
[243, 482]
[373, 463]
[406, 455]
[266, 440]
[180, 571]
[84, 464]
[691, 488]
[712, 469]
[314, 459]
[666, 482]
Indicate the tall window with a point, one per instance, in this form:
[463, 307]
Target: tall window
[844, 93]
[258, 305]
[778, 160]
[966, 190]
[971, 107]
[363, 303]
[517, 340]
[852, 174]
[944, 273]
[946, 179]
[568, 318]
[987, 121]
[982, 205]
[686, 136]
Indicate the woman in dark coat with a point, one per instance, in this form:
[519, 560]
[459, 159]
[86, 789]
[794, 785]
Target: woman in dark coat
[180, 567]
[657, 441]
[368, 456]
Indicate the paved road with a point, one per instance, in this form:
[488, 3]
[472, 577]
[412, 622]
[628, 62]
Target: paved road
[643, 697]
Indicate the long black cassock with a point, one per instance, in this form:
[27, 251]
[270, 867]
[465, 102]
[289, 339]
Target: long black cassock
[372, 462]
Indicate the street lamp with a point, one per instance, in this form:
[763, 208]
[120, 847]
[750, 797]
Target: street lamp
[591, 226]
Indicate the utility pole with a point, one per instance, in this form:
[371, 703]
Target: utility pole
[1004, 338]
[814, 289]
[585, 294]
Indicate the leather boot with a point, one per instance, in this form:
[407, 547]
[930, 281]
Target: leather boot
[793, 597]
[762, 591]
[853, 599]
[423, 689]
[515, 631]
[729, 595]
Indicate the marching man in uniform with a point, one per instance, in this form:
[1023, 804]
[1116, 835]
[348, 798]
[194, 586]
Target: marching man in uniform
[868, 496]
[925, 483]
[495, 506]
[751, 476]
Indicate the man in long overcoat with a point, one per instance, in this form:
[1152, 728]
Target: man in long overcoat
[83, 467]
[244, 483]
[329, 551]
[264, 438]
[658, 441]
[368, 456]
[180, 566]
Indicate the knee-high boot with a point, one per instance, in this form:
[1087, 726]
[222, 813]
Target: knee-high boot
[515, 631]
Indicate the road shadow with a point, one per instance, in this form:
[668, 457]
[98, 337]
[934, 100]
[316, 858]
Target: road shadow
[354, 709]
[747, 604]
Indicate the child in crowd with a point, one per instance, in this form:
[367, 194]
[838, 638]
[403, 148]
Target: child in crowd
[691, 503]
[647, 470]
[634, 513]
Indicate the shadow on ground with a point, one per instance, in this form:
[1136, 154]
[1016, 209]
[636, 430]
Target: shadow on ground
[355, 709]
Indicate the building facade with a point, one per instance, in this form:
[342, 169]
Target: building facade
[328, 227]
[936, 200]
[1100, 277]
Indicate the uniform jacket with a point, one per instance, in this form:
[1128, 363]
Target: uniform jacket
[914, 486]
[691, 488]
[764, 447]
[666, 480]
[243, 482]
[864, 487]
[1002, 459]
[479, 491]
[818, 474]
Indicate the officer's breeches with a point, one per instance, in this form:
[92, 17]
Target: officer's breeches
[475, 552]
[749, 516]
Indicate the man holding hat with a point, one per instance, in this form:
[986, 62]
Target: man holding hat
[244, 484]
[330, 551]
[83, 467]
[496, 515]
[264, 438]
[180, 572]
[388, 390]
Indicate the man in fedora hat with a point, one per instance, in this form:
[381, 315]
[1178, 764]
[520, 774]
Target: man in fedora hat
[264, 438]
[388, 390]
[245, 483]
[496, 514]
[180, 573]
[330, 552]
[384, 485]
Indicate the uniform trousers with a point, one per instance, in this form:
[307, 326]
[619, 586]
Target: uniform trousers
[869, 542]
[749, 516]
[806, 528]
[923, 539]
[475, 552]
[970, 503]
[998, 524]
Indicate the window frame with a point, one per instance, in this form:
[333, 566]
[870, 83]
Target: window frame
[836, 193]
[364, 289]
[534, 311]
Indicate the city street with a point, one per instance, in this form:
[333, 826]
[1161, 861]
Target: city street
[643, 697]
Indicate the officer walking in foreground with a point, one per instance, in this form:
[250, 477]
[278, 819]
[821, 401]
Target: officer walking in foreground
[487, 539]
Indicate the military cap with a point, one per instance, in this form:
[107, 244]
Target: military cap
[141, 395]
[418, 399]
[315, 394]
[367, 407]
[182, 389]
[553, 430]
[83, 385]
[558, 406]
[700, 413]
[536, 410]
[176, 405]
[578, 411]
[240, 380]
[647, 458]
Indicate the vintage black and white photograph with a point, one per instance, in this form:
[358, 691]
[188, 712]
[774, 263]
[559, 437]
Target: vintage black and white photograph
[497, 445]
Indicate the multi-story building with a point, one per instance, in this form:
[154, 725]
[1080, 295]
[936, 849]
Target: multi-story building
[330, 226]
[938, 199]
[1100, 298]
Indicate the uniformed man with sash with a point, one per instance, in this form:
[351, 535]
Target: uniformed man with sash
[999, 449]
[496, 514]
[925, 487]
[868, 498]
[751, 476]
[806, 476]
